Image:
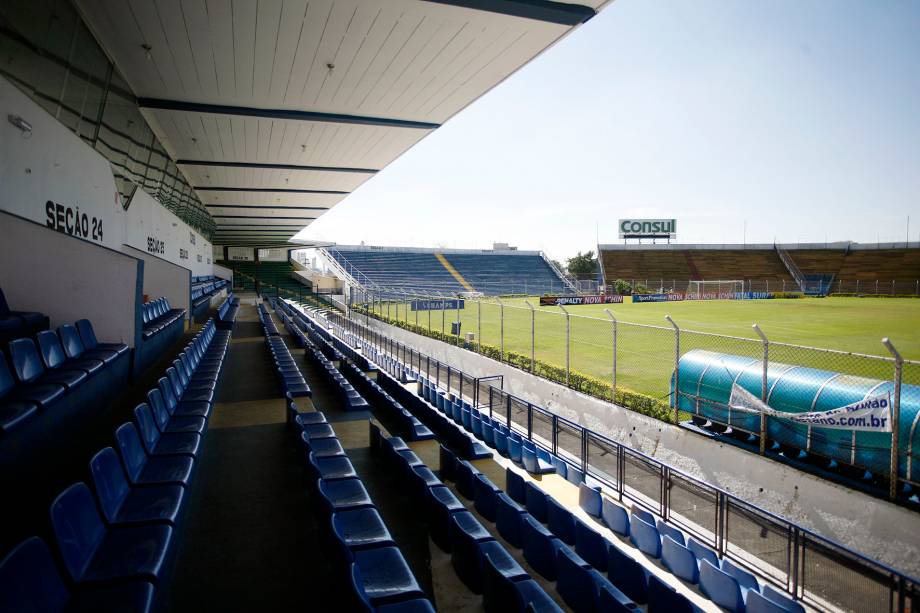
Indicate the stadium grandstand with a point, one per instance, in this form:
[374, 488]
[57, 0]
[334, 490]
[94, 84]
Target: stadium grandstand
[495, 272]
[191, 419]
[817, 269]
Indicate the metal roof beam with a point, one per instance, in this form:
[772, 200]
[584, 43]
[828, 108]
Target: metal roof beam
[369, 171]
[295, 115]
[539, 10]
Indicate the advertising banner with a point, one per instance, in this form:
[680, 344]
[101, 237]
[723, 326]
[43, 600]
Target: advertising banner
[871, 414]
[575, 300]
[674, 297]
[437, 305]
[648, 228]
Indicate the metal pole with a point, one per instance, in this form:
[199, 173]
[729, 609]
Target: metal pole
[459, 331]
[501, 330]
[479, 324]
[532, 334]
[895, 417]
[567, 344]
[763, 387]
[674, 396]
[613, 370]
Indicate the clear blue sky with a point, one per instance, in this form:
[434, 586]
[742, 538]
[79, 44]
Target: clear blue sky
[801, 117]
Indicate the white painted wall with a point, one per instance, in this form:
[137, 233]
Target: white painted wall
[164, 279]
[52, 177]
[874, 527]
[154, 229]
[69, 279]
[245, 254]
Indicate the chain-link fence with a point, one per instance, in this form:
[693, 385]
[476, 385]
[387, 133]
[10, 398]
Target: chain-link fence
[684, 376]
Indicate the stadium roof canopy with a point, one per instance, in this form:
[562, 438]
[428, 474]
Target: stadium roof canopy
[276, 110]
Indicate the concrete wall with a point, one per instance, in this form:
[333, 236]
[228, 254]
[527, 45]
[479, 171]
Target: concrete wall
[223, 272]
[871, 526]
[68, 279]
[164, 279]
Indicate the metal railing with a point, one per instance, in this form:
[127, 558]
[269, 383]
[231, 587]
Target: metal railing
[639, 366]
[822, 573]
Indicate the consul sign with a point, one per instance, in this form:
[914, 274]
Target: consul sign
[648, 228]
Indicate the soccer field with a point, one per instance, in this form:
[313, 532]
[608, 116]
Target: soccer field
[645, 355]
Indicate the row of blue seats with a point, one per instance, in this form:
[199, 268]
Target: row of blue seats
[17, 324]
[226, 312]
[495, 434]
[158, 316]
[722, 581]
[351, 399]
[379, 576]
[480, 561]
[61, 377]
[292, 380]
[407, 423]
[116, 536]
[203, 288]
[268, 324]
[726, 584]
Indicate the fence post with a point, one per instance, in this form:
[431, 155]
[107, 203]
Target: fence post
[533, 329]
[895, 417]
[416, 314]
[501, 329]
[613, 371]
[443, 316]
[479, 324]
[567, 344]
[674, 396]
[763, 387]
[459, 331]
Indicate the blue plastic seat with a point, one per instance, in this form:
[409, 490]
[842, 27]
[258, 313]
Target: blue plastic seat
[781, 598]
[540, 547]
[322, 447]
[178, 423]
[720, 587]
[627, 574]
[123, 505]
[441, 504]
[574, 475]
[361, 529]
[466, 474]
[679, 560]
[344, 494]
[560, 521]
[574, 581]
[589, 499]
[88, 337]
[702, 552]
[662, 598]
[485, 495]
[536, 501]
[645, 536]
[502, 593]
[488, 434]
[158, 444]
[309, 418]
[666, 529]
[515, 486]
[615, 516]
[501, 442]
[745, 579]
[318, 431]
[381, 576]
[470, 541]
[144, 470]
[93, 553]
[509, 520]
[755, 602]
[181, 408]
[30, 581]
[591, 545]
[55, 359]
[515, 447]
[13, 411]
[29, 369]
[534, 464]
[643, 514]
[448, 464]
[560, 466]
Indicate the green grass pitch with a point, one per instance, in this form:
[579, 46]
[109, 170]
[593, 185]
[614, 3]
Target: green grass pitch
[645, 355]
